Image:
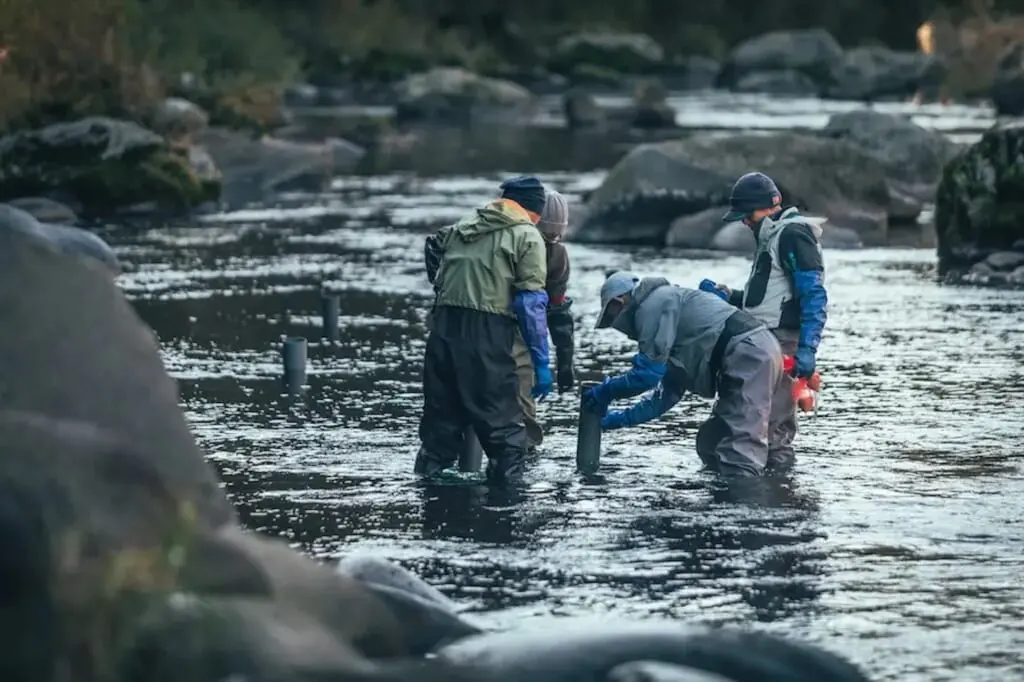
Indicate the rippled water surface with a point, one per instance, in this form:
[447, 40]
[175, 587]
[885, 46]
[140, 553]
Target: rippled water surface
[897, 540]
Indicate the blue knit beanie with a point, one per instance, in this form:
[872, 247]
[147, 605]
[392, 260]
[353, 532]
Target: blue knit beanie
[527, 191]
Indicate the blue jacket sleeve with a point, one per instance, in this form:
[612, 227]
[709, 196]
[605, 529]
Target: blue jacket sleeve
[642, 376]
[531, 309]
[653, 405]
[809, 287]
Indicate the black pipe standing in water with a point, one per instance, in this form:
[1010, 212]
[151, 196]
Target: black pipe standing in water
[588, 436]
[293, 356]
[472, 457]
[330, 309]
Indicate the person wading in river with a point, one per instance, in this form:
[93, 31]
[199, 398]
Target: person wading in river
[560, 323]
[785, 291]
[490, 283]
[690, 340]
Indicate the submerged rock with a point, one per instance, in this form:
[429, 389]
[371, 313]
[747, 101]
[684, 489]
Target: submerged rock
[454, 95]
[101, 164]
[978, 210]
[655, 184]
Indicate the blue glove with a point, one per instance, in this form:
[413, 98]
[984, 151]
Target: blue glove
[643, 376]
[531, 310]
[712, 288]
[810, 290]
[651, 407]
[615, 420]
[542, 383]
[805, 362]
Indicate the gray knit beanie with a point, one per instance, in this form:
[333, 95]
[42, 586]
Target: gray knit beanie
[555, 217]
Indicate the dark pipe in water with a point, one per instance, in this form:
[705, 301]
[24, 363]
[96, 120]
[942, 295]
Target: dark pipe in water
[588, 436]
[330, 309]
[293, 356]
[472, 457]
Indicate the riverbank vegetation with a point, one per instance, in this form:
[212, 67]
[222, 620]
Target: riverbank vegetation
[63, 59]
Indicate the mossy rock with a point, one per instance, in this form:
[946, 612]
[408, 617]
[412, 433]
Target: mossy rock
[979, 204]
[102, 164]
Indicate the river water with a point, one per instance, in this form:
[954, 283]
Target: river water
[896, 541]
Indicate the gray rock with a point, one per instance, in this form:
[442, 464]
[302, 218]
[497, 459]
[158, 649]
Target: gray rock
[1017, 276]
[177, 118]
[813, 52]
[655, 671]
[696, 230]
[910, 153]
[620, 52]
[1005, 260]
[784, 82]
[253, 169]
[70, 240]
[454, 95]
[656, 183]
[650, 107]
[45, 210]
[876, 72]
[735, 237]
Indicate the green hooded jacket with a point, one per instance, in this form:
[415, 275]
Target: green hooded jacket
[489, 256]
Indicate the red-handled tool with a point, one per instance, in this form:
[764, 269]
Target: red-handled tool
[803, 389]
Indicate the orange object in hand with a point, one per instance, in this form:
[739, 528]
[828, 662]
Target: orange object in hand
[803, 389]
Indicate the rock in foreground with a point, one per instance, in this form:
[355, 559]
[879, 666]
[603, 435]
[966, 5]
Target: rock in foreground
[100, 164]
[979, 210]
[657, 183]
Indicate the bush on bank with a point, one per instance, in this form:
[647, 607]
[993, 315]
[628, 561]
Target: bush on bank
[70, 58]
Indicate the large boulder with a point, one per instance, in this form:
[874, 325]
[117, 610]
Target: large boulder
[255, 168]
[654, 184]
[874, 72]
[457, 96]
[1007, 88]
[979, 206]
[101, 164]
[110, 512]
[617, 52]
[814, 52]
[911, 154]
[65, 238]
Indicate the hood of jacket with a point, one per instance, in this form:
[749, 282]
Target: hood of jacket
[500, 214]
[789, 216]
[626, 321]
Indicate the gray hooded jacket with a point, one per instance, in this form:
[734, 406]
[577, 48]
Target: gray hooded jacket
[678, 327]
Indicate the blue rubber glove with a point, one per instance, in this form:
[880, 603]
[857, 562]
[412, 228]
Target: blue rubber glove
[712, 288]
[543, 382]
[805, 362]
[643, 376]
[595, 399]
[615, 420]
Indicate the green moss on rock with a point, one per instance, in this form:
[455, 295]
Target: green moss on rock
[979, 205]
[101, 163]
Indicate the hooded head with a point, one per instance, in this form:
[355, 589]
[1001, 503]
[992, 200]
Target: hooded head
[614, 295]
[528, 192]
[555, 217]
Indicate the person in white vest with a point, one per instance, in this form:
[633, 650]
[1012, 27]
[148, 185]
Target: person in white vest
[785, 291]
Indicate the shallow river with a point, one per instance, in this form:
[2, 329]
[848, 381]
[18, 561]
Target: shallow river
[897, 540]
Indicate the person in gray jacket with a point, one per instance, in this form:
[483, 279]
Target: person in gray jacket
[692, 340]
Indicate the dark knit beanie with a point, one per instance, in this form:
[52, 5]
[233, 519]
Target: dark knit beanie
[527, 191]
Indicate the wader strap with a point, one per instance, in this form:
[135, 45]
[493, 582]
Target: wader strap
[738, 323]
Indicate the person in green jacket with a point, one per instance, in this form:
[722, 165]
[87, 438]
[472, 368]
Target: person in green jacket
[490, 271]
